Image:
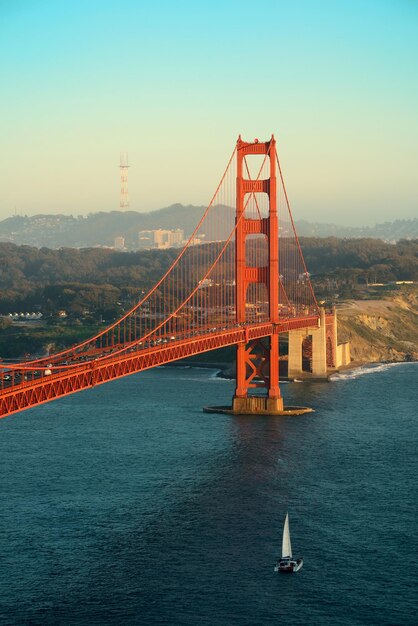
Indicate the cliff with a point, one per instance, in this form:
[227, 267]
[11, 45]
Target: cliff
[381, 330]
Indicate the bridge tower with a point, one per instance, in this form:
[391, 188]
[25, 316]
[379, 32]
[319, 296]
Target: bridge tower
[255, 360]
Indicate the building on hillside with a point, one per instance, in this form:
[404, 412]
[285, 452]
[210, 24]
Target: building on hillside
[160, 238]
[21, 317]
[168, 238]
[119, 243]
[145, 239]
[176, 237]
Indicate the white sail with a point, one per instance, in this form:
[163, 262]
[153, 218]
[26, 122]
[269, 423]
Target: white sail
[286, 547]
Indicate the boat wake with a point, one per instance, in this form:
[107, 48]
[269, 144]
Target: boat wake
[215, 375]
[365, 369]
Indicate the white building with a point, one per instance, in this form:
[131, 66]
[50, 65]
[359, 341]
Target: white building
[119, 243]
[160, 238]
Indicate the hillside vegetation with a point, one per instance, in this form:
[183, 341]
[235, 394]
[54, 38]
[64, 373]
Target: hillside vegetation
[101, 228]
[74, 278]
[94, 286]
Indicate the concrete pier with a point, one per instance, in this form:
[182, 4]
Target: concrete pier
[327, 355]
[257, 409]
[256, 405]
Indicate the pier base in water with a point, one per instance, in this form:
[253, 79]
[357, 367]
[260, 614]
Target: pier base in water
[258, 405]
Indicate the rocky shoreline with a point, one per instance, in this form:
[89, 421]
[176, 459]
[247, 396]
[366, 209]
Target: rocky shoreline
[384, 330]
[379, 331]
[226, 370]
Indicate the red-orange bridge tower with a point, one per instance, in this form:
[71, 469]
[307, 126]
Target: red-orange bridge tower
[263, 364]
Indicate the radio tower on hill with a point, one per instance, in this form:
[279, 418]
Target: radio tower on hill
[123, 167]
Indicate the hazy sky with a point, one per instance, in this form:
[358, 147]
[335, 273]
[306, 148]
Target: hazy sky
[175, 82]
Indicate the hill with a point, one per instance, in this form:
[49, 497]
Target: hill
[30, 276]
[100, 229]
[381, 330]
[96, 286]
[390, 232]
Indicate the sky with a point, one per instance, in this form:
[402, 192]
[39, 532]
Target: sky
[174, 83]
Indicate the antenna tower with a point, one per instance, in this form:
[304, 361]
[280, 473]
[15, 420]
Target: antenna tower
[123, 167]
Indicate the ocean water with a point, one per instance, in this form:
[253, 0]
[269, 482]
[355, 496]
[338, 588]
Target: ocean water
[127, 504]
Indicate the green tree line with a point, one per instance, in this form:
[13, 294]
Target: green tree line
[106, 282]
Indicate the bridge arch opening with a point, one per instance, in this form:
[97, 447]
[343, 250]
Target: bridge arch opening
[256, 205]
[307, 354]
[330, 353]
[256, 166]
[257, 303]
[256, 251]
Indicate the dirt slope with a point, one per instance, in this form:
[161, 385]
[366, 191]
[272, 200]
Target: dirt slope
[381, 330]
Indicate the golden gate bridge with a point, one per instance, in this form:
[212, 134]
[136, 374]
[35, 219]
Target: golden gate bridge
[243, 289]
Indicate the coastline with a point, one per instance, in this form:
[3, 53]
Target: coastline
[226, 370]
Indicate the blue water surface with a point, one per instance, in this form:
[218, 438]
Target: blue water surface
[127, 504]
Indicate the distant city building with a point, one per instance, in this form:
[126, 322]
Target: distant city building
[146, 239]
[176, 237]
[168, 238]
[160, 238]
[119, 243]
[197, 241]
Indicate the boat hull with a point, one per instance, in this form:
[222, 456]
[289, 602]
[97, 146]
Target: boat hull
[289, 566]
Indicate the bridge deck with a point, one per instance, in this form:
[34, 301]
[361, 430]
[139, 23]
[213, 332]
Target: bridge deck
[62, 382]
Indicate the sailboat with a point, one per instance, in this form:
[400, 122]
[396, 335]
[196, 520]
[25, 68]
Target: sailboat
[287, 563]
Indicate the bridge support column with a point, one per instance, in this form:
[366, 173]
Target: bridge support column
[294, 359]
[257, 405]
[257, 361]
[327, 354]
[319, 348]
[341, 352]
[332, 338]
[258, 367]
